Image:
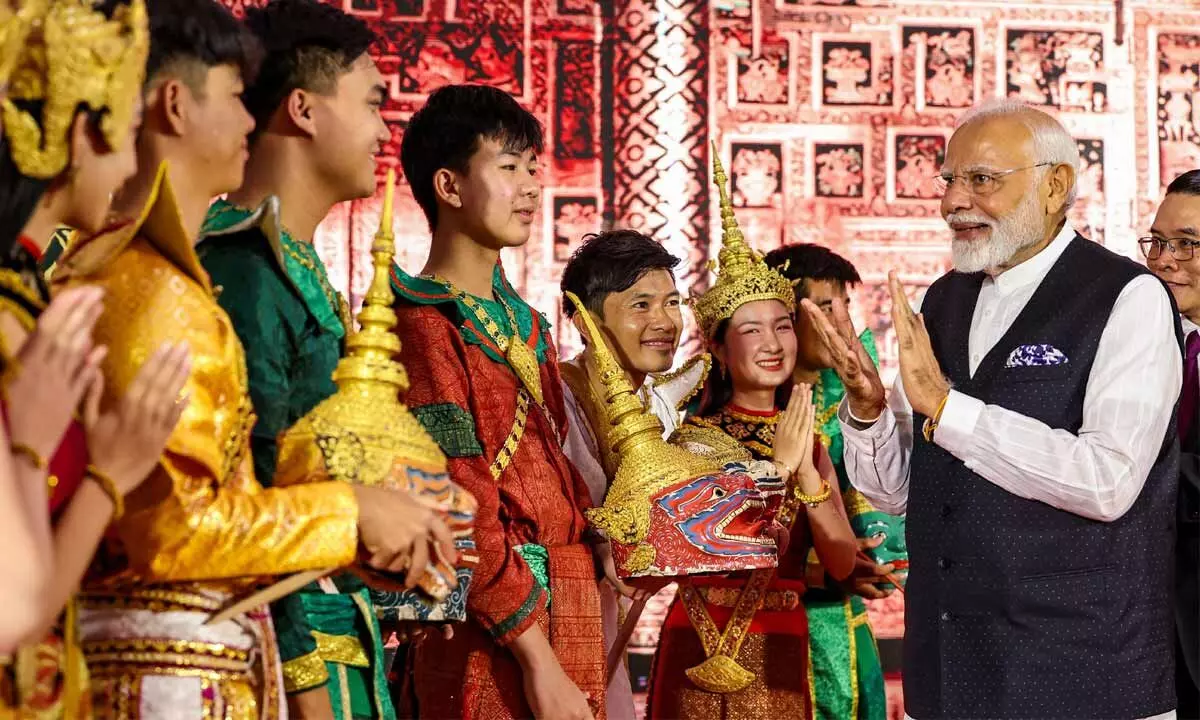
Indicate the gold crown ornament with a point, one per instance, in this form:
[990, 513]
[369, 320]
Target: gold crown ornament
[365, 435]
[743, 276]
[71, 54]
[696, 498]
[15, 24]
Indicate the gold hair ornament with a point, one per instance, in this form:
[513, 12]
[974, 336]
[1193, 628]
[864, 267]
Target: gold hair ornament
[72, 55]
[743, 276]
[14, 29]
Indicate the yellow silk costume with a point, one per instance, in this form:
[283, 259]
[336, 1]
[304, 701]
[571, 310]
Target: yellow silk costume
[201, 527]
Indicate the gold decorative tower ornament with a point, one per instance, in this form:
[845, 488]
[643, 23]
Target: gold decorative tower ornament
[743, 277]
[669, 512]
[365, 435]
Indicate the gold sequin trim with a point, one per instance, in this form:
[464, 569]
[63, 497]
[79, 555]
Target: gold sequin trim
[344, 690]
[344, 649]
[368, 613]
[175, 647]
[856, 503]
[238, 668]
[336, 303]
[521, 359]
[13, 280]
[237, 442]
[509, 449]
[773, 600]
[823, 416]
[304, 672]
[18, 311]
[150, 599]
[693, 604]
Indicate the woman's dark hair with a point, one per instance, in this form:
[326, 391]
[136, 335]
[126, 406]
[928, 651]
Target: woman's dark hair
[19, 193]
[718, 387]
[610, 262]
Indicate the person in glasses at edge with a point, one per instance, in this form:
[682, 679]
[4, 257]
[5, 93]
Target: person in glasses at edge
[1030, 438]
[1170, 252]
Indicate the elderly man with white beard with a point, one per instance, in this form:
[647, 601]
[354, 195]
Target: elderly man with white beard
[1030, 439]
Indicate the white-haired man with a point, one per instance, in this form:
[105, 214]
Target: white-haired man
[1030, 439]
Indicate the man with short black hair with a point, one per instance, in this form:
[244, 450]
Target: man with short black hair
[486, 386]
[624, 280]
[847, 677]
[1170, 252]
[316, 104]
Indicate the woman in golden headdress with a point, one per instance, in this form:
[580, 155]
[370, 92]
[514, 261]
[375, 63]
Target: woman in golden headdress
[73, 87]
[736, 646]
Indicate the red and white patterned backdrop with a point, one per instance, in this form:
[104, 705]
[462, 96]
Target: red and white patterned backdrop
[831, 115]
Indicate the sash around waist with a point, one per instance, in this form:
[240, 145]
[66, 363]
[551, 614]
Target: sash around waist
[782, 611]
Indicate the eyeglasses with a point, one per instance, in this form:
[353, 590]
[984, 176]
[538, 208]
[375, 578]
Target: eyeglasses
[980, 182]
[1181, 249]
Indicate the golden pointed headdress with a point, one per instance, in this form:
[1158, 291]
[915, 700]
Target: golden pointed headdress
[647, 464]
[364, 428]
[70, 54]
[743, 276]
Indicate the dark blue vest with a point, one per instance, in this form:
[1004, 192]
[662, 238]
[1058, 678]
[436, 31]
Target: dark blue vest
[1016, 609]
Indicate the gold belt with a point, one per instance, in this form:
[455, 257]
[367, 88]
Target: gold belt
[180, 597]
[773, 600]
[180, 654]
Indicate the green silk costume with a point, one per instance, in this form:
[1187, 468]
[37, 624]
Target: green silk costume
[292, 325]
[847, 678]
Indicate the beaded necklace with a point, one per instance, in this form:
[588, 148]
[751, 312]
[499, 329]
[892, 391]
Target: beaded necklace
[521, 358]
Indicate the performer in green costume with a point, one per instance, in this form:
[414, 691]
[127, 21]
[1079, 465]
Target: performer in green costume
[847, 678]
[316, 103]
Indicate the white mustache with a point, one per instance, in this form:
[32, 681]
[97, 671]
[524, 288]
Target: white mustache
[967, 219]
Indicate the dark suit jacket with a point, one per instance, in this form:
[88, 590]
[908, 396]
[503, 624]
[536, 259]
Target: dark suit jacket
[1187, 552]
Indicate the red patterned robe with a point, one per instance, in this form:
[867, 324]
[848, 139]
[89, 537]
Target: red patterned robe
[467, 397]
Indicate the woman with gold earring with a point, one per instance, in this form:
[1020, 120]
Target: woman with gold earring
[752, 626]
[69, 113]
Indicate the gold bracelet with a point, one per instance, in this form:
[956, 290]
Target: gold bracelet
[931, 424]
[110, 489]
[39, 463]
[822, 495]
[779, 464]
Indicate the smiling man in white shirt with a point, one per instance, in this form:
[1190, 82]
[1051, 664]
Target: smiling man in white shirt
[624, 279]
[1030, 440]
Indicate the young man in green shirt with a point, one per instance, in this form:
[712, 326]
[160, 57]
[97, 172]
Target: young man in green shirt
[316, 103]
